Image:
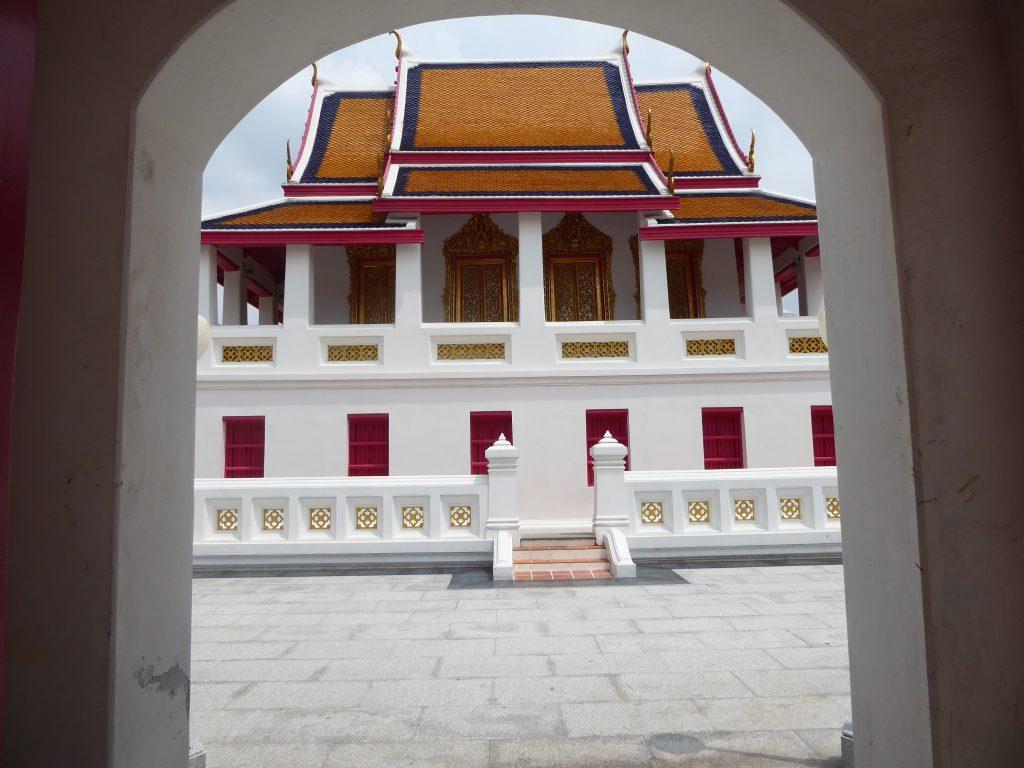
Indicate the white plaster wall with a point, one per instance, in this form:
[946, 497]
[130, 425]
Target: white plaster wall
[330, 285]
[721, 279]
[307, 435]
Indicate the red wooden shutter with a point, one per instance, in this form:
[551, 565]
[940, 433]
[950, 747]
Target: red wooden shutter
[484, 428]
[723, 438]
[368, 444]
[599, 422]
[243, 446]
[823, 434]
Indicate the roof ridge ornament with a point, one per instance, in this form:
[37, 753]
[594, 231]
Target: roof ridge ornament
[707, 68]
[288, 155]
[647, 131]
[398, 44]
[750, 154]
[623, 44]
[315, 79]
[671, 175]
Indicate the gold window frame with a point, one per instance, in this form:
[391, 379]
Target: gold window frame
[360, 257]
[549, 279]
[574, 235]
[689, 251]
[482, 241]
[462, 261]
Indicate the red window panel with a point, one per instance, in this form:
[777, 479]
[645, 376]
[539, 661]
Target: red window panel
[368, 444]
[484, 428]
[244, 438]
[823, 434]
[599, 422]
[723, 438]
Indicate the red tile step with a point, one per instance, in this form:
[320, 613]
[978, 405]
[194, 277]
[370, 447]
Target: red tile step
[560, 560]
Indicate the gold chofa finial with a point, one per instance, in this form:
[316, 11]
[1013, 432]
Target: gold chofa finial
[647, 132]
[707, 67]
[288, 154]
[671, 175]
[625, 45]
[750, 154]
[398, 46]
[315, 77]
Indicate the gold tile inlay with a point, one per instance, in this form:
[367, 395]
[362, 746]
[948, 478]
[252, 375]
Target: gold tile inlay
[460, 516]
[366, 518]
[353, 353]
[703, 347]
[273, 519]
[576, 350]
[807, 345]
[320, 518]
[491, 351]
[227, 519]
[832, 507]
[744, 510]
[652, 512]
[790, 509]
[699, 511]
[412, 518]
[247, 353]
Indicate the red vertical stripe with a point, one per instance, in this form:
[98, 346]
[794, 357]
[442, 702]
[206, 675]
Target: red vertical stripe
[244, 446]
[723, 438]
[368, 446]
[484, 428]
[823, 435]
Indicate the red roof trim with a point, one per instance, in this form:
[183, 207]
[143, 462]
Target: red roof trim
[310, 237]
[729, 229]
[309, 120]
[725, 118]
[513, 204]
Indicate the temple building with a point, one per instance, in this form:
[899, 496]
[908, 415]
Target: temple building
[509, 300]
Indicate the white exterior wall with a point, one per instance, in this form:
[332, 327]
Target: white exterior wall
[721, 279]
[306, 427]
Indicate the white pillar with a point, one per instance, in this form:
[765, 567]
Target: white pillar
[531, 269]
[208, 283]
[653, 283]
[408, 285]
[298, 275]
[267, 310]
[809, 284]
[778, 298]
[502, 491]
[235, 311]
[759, 279]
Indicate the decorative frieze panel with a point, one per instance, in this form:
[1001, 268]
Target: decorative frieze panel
[652, 513]
[353, 353]
[320, 518]
[703, 347]
[487, 351]
[412, 518]
[832, 507]
[247, 353]
[790, 509]
[227, 519]
[460, 516]
[699, 511]
[595, 350]
[807, 345]
[744, 510]
[367, 519]
[273, 519]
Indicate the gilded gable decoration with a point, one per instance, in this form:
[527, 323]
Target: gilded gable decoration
[483, 246]
[573, 235]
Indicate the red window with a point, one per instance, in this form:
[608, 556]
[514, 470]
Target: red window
[823, 433]
[243, 446]
[723, 438]
[368, 444]
[484, 428]
[599, 422]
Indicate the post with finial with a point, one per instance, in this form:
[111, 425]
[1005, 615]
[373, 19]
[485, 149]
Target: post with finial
[750, 154]
[290, 169]
[611, 503]
[671, 174]
[502, 504]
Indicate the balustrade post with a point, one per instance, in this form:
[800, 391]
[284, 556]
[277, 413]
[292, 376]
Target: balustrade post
[611, 506]
[502, 505]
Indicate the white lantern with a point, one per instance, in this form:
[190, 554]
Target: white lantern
[202, 337]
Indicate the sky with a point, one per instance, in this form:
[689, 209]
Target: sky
[249, 165]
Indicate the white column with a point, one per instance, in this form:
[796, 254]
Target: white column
[235, 311]
[778, 298]
[298, 277]
[653, 283]
[267, 310]
[531, 269]
[408, 285]
[208, 283]
[759, 279]
[809, 277]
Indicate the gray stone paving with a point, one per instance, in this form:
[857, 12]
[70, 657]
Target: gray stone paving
[742, 667]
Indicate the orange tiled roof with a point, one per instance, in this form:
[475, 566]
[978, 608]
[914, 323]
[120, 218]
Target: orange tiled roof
[682, 122]
[524, 181]
[745, 206]
[516, 106]
[350, 138]
[303, 214]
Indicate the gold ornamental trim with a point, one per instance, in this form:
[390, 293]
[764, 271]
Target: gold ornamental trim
[652, 513]
[699, 511]
[491, 351]
[744, 510]
[577, 350]
[832, 507]
[705, 347]
[790, 509]
[460, 516]
[412, 518]
[320, 518]
[807, 345]
[227, 519]
[353, 353]
[247, 353]
[366, 518]
[575, 235]
[480, 239]
[359, 257]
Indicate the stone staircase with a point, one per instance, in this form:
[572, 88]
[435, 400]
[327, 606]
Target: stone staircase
[560, 560]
